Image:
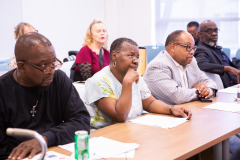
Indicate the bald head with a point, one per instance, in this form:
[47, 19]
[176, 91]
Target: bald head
[178, 44]
[26, 42]
[209, 32]
[173, 37]
[205, 24]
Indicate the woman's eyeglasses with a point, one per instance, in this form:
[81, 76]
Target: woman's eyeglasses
[132, 58]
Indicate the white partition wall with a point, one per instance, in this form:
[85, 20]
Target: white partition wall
[10, 15]
[65, 22]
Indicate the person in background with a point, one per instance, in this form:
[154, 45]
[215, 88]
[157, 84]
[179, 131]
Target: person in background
[193, 29]
[211, 58]
[118, 93]
[21, 29]
[38, 96]
[93, 56]
[173, 75]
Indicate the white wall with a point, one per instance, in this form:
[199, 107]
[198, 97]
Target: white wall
[64, 22]
[10, 16]
[129, 18]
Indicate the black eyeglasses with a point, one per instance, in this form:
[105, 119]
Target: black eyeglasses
[188, 47]
[49, 69]
[210, 31]
[194, 34]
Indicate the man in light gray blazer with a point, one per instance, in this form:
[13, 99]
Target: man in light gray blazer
[173, 75]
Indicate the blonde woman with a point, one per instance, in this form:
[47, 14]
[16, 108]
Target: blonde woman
[93, 56]
[22, 28]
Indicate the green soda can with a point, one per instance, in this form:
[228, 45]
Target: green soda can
[81, 140]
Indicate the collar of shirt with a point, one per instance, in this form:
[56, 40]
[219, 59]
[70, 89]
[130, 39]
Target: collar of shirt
[182, 72]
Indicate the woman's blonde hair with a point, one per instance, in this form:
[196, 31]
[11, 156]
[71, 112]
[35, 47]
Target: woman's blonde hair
[19, 30]
[88, 37]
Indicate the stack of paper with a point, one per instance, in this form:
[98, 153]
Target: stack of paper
[229, 90]
[159, 121]
[232, 107]
[106, 148]
[101, 147]
[50, 155]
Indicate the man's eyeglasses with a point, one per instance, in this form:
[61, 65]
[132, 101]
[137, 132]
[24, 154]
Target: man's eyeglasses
[210, 31]
[194, 34]
[188, 47]
[134, 58]
[49, 69]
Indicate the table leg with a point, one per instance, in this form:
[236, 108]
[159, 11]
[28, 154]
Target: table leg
[217, 151]
[225, 149]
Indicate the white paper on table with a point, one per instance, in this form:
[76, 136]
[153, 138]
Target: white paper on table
[229, 90]
[231, 107]
[106, 148]
[50, 155]
[91, 157]
[129, 154]
[94, 145]
[68, 147]
[159, 121]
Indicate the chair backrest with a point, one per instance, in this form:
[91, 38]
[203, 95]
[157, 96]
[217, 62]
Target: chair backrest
[67, 67]
[4, 64]
[152, 51]
[216, 78]
[238, 53]
[143, 56]
[72, 53]
[227, 51]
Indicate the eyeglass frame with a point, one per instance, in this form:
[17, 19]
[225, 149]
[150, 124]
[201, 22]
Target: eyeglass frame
[185, 45]
[210, 31]
[194, 34]
[133, 58]
[45, 70]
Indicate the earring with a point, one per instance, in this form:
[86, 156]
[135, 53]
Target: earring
[114, 64]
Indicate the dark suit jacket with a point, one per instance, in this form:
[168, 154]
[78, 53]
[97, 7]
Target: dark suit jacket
[209, 61]
[236, 154]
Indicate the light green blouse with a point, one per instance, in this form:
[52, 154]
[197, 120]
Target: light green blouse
[104, 84]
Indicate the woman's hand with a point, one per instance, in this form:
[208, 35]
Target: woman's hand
[131, 76]
[181, 112]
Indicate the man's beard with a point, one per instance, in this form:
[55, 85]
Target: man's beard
[213, 44]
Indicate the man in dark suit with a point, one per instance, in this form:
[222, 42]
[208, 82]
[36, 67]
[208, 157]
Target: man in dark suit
[211, 58]
[193, 29]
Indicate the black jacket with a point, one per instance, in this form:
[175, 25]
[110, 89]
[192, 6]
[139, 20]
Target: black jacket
[209, 61]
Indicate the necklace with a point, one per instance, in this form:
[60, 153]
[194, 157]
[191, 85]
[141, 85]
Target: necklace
[33, 111]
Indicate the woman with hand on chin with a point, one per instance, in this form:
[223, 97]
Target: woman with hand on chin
[117, 92]
[93, 56]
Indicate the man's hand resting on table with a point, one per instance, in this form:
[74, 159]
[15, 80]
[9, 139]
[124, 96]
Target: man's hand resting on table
[31, 147]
